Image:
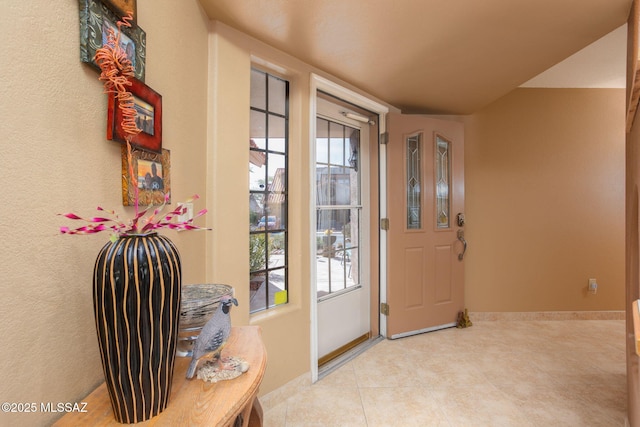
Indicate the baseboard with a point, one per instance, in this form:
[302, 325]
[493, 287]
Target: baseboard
[547, 315]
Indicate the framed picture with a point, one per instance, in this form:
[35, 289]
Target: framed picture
[95, 20]
[151, 174]
[148, 105]
[121, 7]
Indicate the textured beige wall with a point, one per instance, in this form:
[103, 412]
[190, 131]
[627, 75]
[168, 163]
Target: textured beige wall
[285, 330]
[54, 158]
[545, 201]
[544, 198]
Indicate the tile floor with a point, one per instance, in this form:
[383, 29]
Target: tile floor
[495, 373]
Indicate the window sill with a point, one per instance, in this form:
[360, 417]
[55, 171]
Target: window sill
[272, 313]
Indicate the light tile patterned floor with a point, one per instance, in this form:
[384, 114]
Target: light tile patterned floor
[496, 373]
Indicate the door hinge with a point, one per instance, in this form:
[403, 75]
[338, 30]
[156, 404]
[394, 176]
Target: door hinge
[384, 308]
[384, 223]
[384, 138]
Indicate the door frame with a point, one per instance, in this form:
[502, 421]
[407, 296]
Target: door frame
[334, 89]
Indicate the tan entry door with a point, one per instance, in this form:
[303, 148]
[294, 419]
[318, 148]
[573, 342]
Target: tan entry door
[425, 193]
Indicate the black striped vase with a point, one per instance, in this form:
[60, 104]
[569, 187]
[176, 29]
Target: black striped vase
[136, 300]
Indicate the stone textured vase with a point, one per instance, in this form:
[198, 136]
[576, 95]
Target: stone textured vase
[136, 298]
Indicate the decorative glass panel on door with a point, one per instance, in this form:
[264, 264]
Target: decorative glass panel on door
[414, 181]
[443, 182]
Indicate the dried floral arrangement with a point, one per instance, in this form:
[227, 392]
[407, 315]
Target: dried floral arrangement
[116, 74]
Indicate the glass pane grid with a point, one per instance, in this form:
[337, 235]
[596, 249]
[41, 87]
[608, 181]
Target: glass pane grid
[337, 208]
[268, 181]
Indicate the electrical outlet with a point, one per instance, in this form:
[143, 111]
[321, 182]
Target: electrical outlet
[593, 286]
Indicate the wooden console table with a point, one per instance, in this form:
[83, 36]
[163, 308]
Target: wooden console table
[196, 402]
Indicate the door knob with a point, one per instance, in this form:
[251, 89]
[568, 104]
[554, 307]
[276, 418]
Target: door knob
[464, 244]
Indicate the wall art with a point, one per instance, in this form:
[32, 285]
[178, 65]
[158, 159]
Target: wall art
[96, 17]
[121, 7]
[151, 174]
[148, 105]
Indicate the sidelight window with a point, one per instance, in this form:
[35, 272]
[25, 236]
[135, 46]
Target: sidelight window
[268, 190]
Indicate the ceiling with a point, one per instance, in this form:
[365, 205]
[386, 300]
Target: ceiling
[430, 56]
[602, 64]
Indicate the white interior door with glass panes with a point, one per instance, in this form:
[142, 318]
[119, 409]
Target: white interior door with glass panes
[342, 220]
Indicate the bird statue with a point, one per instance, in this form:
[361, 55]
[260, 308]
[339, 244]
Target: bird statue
[214, 335]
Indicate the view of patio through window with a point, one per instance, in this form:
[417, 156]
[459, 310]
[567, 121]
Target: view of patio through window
[338, 208]
[268, 190]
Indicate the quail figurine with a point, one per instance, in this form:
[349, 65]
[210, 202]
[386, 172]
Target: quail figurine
[214, 335]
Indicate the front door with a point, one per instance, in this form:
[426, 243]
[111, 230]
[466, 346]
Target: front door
[425, 195]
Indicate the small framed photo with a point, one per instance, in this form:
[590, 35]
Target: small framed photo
[150, 172]
[122, 7]
[96, 17]
[148, 105]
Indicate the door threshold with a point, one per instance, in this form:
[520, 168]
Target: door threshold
[422, 331]
[335, 363]
[342, 350]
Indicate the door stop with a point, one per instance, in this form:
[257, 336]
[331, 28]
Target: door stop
[463, 320]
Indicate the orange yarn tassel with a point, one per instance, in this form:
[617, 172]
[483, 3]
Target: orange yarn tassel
[117, 71]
